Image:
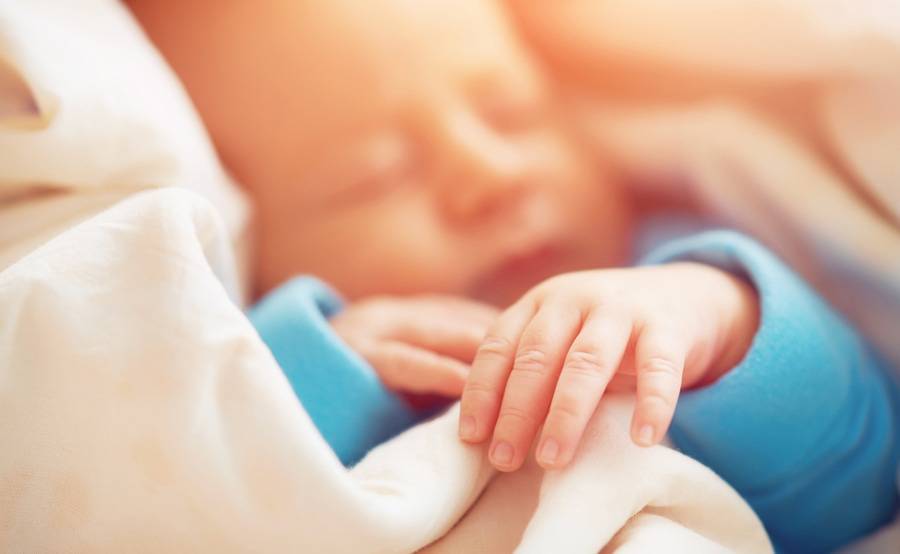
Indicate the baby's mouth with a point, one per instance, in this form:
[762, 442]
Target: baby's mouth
[535, 248]
[531, 260]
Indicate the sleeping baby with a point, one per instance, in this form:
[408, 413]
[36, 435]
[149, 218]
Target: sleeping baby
[413, 156]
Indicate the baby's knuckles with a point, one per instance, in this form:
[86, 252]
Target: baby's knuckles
[698, 299]
[496, 349]
[585, 290]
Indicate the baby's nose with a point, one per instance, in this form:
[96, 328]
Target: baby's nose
[482, 171]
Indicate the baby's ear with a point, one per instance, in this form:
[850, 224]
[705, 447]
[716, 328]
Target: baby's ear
[21, 107]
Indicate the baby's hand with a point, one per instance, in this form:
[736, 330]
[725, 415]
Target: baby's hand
[549, 358]
[420, 344]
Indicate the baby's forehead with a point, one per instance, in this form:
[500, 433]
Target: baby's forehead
[439, 35]
[379, 57]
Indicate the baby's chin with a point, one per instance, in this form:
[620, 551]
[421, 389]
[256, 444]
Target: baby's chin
[513, 278]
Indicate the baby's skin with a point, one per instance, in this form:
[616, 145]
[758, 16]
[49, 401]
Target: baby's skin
[398, 149]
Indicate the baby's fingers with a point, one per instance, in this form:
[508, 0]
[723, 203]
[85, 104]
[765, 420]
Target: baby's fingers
[447, 325]
[659, 362]
[590, 364]
[484, 388]
[529, 390]
[410, 369]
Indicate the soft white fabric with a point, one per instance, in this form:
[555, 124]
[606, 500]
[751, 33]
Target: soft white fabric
[89, 107]
[615, 497]
[139, 411]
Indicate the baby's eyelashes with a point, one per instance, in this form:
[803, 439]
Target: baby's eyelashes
[379, 165]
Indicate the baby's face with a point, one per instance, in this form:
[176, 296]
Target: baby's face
[392, 146]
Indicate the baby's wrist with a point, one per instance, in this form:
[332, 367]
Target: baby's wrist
[741, 304]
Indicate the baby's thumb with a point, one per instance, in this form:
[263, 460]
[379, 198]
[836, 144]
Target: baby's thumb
[408, 368]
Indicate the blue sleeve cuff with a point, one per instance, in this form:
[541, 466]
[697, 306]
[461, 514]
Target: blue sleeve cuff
[805, 426]
[339, 390]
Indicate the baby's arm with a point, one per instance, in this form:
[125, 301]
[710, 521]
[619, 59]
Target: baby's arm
[805, 427]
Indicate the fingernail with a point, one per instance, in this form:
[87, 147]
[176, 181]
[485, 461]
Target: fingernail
[549, 452]
[502, 454]
[645, 435]
[467, 427]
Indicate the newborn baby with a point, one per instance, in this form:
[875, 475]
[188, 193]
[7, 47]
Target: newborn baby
[455, 175]
[400, 149]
